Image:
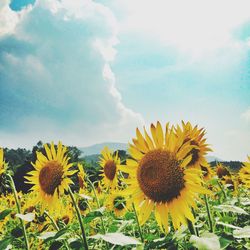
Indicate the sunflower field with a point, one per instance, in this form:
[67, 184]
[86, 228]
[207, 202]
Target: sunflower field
[163, 195]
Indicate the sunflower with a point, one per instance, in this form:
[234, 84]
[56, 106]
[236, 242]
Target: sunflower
[222, 171]
[244, 173]
[81, 178]
[2, 162]
[196, 138]
[51, 175]
[159, 179]
[207, 172]
[118, 203]
[109, 163]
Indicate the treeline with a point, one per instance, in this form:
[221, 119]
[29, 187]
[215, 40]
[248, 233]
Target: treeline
[234, 166]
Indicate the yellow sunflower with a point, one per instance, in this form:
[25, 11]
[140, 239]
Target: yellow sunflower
[196, 138]
[118, 203]
[207, 172]
[244, 173]
[81, 178]
[222, 171]
[159, 179]
[109, 163]
[51, 175]
[2, 162]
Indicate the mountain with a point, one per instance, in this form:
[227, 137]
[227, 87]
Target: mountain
[211, 158]
[97, 148]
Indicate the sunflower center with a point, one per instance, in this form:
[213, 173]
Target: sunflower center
[110, 169]
[50, 177]
[119, 202]
[160, 176]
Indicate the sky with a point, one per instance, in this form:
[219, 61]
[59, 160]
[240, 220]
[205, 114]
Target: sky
[88, 72]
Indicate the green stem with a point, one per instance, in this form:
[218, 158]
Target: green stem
[210, 221]
[98, 203]
[85, 243]
[56, 228]
[191, 227]
[195, 228]
[12, 184]
[223, 191]
[138, 224]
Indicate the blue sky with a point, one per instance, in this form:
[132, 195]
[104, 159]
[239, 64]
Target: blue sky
[86, 71]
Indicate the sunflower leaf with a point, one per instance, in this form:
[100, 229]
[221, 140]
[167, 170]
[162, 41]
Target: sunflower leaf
[26, 217]
[207, 241]
[230, 208]
[4, 213]
[117, 239]
[242, 233]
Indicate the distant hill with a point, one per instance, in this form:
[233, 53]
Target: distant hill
[97, 148]
[211, 158]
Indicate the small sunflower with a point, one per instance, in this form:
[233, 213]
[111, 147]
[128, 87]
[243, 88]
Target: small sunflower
[207, 172]
[159, 179]
[196, 138]
[222, 171]
[109, 163]
[51, 175]
[244, 173]
[118, 203]
[81, 178]
[2, 162]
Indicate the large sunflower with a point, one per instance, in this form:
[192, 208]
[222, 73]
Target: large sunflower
[50, 177]
[159, 179]
[196, 138]
[109, 163]
[244, 173]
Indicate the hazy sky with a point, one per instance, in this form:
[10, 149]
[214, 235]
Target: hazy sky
[86, 72]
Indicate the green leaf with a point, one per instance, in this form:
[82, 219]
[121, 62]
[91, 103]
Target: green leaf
[207, 241]
[76, 245]
[5, 243]
[224, 243]
[117, 239]
[61, 232]
[46, 235]
[227, 225]
[230, 208]
[4, 213]
[91, 216]
[26, 217]
[242, 233]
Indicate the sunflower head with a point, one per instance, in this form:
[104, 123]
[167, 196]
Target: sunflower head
[222, 171]
[159, 178]
[109, 163]
[244, 173]
[207, 172]
[51, 175]
[3, 164]
[81, 178]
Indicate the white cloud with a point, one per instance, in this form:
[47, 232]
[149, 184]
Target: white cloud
[246, 115]
[60, 85]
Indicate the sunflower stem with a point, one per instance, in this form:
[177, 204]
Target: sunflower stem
[99, 206]
[13, 187]
[210, 222]
[195, 227]
[138, 224]
[85, 242]
[222, 189]
[56, 227]
[191, 227]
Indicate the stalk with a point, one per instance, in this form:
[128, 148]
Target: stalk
[138, 224]
[223, 191]
[191, 227]
[85, 243]
[210, 222]
[56, 228]
[12, 184]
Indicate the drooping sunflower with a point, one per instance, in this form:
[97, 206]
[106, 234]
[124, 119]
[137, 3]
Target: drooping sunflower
[196, 138]
[222, 171]
[51, 175]
[118, 203]
[159, 179]
[244, 173]
[109, 163]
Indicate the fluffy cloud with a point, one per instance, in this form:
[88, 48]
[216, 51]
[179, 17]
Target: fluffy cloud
[246, 115]
[56, 77]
